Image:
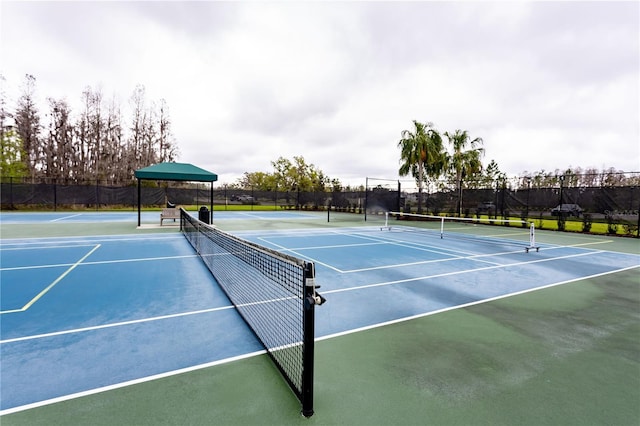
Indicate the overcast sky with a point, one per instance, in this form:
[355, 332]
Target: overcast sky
[546, 85]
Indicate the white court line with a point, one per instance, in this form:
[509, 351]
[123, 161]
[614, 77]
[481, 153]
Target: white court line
[249, 355]
[50, 286]
[101, 262]
[511, 234]
[417, 245]
[387, 240]
[2, 248]
[357, 233]
[462, 254]
[129, 383]
[66, 217]
[375, 241]
[257, 215]
[296, 252]
[98, 238]
[593, 243]
[253, 216]
[466, 305]
[219, 362]
[116, 324]
[465, 271]
[380, 242]
[486, 239]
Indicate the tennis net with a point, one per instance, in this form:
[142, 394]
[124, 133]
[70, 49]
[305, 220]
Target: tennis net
[463, 226]
[273, 292]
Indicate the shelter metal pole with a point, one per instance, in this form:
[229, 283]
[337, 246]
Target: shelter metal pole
[138, 201]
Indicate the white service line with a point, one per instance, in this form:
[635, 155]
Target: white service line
[66, 217]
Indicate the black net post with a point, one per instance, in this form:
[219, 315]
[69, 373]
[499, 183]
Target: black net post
[308, 337]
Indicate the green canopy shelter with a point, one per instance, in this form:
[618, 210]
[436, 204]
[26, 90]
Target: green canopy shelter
[174, 172]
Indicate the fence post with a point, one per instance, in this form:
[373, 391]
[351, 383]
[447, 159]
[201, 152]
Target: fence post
[11, 192]
[55, 195]
[638, 228]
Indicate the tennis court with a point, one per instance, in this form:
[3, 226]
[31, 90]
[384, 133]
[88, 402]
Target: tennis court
[103, 323]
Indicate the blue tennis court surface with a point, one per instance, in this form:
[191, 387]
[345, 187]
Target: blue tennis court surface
[82, 314]
[372, 276]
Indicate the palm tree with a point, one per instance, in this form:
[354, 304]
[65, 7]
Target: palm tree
[464, 159]
[421, 154]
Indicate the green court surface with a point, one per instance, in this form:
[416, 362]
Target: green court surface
[568, 354]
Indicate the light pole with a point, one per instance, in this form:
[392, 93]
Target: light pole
[561, 188]
[503, 181]
[561, 215]
[528, 194]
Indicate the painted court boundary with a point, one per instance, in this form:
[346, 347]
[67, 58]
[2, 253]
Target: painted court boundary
[128, 383]
[249, 355]
[53, 284]
[252, 354]
[466, 305]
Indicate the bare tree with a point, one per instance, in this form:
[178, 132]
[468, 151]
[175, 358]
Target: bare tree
[112, 146]
[149, 138]
[5, 115]
[96, 145]
[133, 156]
[28, 124]
[59, 154]
[167, 146]
[91, 133]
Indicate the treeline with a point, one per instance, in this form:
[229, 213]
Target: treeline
[571, 177]
[452, 159]
[577, 177]
[96, 143]
[287, 175]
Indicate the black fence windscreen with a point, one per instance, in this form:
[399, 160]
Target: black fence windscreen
[618, 205]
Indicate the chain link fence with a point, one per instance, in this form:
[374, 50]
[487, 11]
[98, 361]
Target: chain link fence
[618, 206]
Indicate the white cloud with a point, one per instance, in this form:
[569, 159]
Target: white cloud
[545, 84]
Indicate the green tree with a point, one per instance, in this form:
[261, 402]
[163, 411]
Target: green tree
[298, 175]
[12, 155]
[282, 174]
[464, 159]
[421, 154]
[490, 174]
[259, 181]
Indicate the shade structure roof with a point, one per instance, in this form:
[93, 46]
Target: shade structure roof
[176, 171]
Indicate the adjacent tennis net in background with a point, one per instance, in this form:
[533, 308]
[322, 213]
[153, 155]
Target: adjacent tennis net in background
[273, 292]
[458, 226]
